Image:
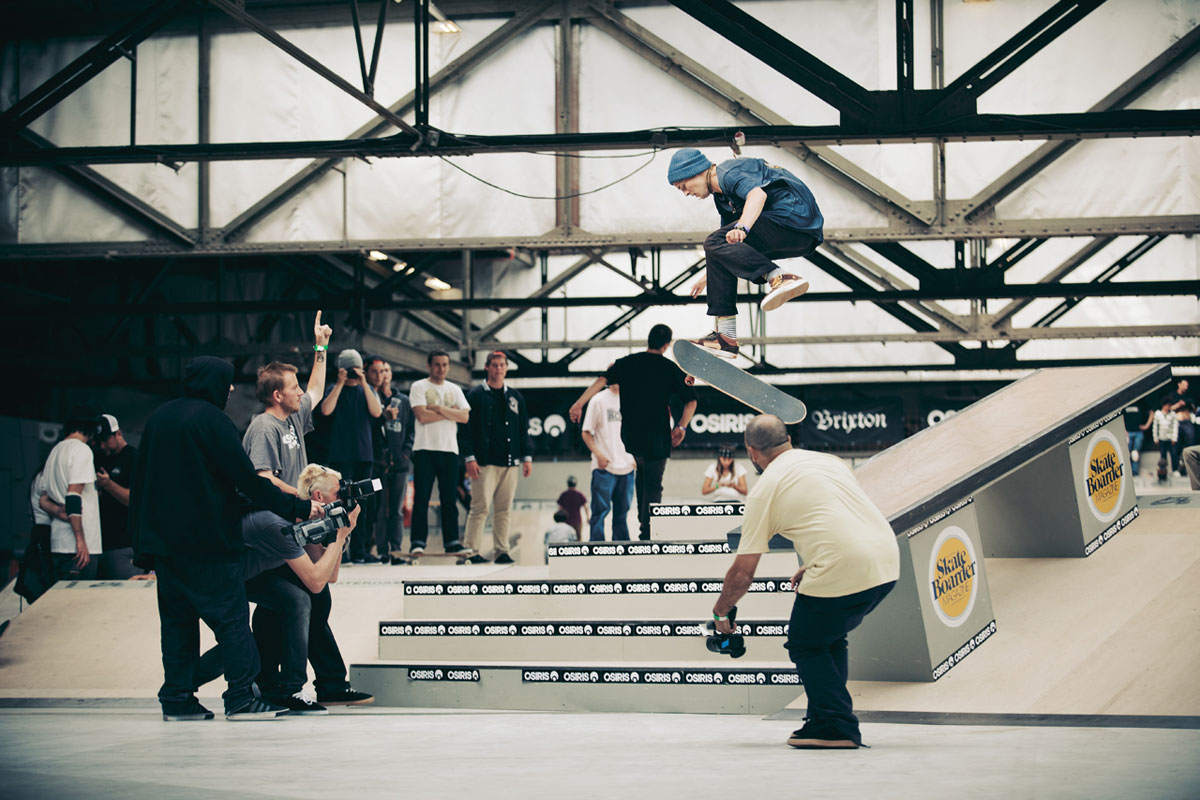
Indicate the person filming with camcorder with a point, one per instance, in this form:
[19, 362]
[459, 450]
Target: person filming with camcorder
[288, 568]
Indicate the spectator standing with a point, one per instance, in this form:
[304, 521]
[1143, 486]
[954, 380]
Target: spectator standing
[352, 406]
[1135, 433]
[612, 466]
[114, 476]
[1184, 406]
[650, 380]
[1166, 433]
[184, 513]
[70, 477]
[497, 449]
[574, 504]
[393, 456]
[439, 408]
[274, 440]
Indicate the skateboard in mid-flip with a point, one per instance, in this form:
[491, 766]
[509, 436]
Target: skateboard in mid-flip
[461, 557]
[737, 383]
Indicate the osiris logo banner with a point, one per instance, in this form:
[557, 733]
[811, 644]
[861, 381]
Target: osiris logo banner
[1104, 476]
[952, 576]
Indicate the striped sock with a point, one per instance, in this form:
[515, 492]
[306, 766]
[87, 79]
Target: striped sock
[775, 273]
[727, 327]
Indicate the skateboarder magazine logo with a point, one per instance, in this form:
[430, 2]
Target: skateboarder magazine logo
[952, 573]
[1104, 476]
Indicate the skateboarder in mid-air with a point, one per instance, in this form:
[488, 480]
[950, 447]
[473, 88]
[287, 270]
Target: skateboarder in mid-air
[766, 212]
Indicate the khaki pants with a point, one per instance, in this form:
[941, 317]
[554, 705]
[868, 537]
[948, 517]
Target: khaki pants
[494, 491]
[1191, 462]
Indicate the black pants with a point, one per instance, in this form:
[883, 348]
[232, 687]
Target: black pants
[648, 484]
[817, 645]
[277, 636]
[190, 591]
[749, 259]
[360, 540]
[428, 466]
[389, 529]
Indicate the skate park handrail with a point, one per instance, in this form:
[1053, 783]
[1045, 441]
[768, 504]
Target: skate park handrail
[933, 469]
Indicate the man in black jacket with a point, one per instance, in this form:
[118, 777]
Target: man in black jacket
[496, 442]
[185, 515]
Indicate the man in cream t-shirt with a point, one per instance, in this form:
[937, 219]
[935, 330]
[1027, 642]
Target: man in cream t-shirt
[70, 477]
[851, 562]
[612, 465]
[439, 406]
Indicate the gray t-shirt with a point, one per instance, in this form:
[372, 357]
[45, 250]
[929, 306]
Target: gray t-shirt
[268, 543]
[278, 444]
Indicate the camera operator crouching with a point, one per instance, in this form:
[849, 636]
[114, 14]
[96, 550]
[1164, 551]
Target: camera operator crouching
[288, 569]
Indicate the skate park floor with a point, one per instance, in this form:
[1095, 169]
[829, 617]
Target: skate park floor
[1087, 691]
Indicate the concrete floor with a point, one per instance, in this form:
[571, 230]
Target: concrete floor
[364, 753]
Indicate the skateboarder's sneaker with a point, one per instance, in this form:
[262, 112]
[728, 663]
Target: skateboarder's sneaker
[454, 547]
[504, 558]
[185, 712]
[345, 697]
[478, 559]
[301, 704]
[719, 344]
[781, 289]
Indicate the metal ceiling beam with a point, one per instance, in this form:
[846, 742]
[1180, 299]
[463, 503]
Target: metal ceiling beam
[88, 65]
[115, 197]
[1126, 123]
[886, 280]
[455, 70]
[584, 241]
[904, 315]
[634, 311]
[744, 108]
[1055, 275]
[1019, 48]
[782, 55]
[504, 320]
[1138, 84]
[238, 12]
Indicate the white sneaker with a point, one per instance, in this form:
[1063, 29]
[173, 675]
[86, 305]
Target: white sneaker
[783, 288]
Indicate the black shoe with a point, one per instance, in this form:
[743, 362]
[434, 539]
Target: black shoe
[385, 558]
[417, 549]
[345, 697]
[454, 547]
[816, 735]
[185, 712]
[504, 558]
[255, 710]
[643, 537]
[300, 704]
[478, 559]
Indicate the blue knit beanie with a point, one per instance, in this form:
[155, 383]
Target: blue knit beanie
[685, 164]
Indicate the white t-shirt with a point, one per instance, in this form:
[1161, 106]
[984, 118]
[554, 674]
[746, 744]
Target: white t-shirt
[841, 536]
[603, 423]
[443, 434]
[726, 491]
[71, 462]
[36, 489]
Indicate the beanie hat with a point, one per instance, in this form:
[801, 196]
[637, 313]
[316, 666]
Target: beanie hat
[349, 359]
[685, 164]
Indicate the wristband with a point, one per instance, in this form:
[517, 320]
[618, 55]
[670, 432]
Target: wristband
[741, 227]
[320, 348]
[718, 617]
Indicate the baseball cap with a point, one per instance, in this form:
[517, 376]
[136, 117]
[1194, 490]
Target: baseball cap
[107, 426]
[349, 359]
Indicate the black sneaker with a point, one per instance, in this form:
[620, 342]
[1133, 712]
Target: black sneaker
[301, 704]
[820, 736]
[478, 559]
[504, 558]
[255, 710]
[454, 547]
[345, 697]
[417, 549]
[386, 558]
[185, 712]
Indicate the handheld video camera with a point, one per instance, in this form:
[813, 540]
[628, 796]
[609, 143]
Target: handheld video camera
[323, 530]
[726, 644]
[350, 492]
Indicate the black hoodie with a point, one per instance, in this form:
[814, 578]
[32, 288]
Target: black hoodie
[190, 467]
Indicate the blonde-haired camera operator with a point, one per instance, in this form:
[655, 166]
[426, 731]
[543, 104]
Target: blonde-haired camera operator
[290, 585]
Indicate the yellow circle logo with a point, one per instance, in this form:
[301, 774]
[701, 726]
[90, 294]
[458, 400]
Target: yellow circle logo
[1105, 474]
[952, 569]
